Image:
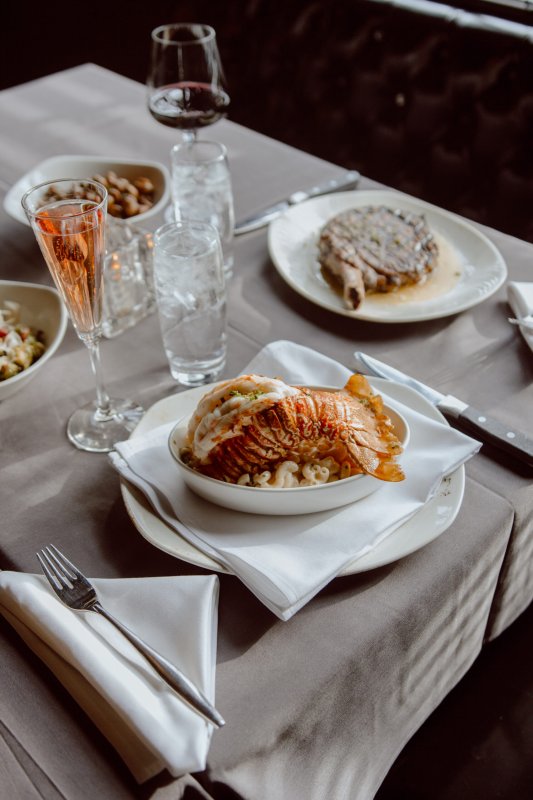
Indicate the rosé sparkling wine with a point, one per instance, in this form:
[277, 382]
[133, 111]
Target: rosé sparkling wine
[68, 220]
[71, 237]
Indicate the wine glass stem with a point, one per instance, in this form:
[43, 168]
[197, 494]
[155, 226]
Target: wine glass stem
[189, 136]
[103, 410]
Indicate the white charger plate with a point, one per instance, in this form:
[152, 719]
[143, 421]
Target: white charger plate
[293, 237]
[425, 526]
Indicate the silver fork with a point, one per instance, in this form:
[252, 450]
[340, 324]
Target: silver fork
[76, 591]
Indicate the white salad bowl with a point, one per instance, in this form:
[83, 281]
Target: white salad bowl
[42, 309]
[85, 167]
[279, 501]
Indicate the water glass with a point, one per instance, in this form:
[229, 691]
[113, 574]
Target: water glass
[201, 190]
[129, 294]
[191, 300]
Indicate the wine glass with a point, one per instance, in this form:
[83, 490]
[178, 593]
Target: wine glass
[68, 220]
[186, 84]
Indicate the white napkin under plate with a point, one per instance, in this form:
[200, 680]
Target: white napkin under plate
[147, 723]
[286, 560]
[520, 298]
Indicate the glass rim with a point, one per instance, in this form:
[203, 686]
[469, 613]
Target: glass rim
[209, 33]
[184, 147]
[184, 225]
[39, 186]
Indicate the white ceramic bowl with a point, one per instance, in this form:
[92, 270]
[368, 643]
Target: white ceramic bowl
[299, 500]
[85, 167]
[41, 308]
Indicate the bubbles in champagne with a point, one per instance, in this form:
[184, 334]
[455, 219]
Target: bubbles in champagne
[71, 237]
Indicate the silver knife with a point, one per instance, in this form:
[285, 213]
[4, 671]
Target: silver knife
[261, 218]
[468, 418]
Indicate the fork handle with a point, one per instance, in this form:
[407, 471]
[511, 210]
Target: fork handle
[170, 673]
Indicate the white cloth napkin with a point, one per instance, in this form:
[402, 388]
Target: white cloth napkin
[520, 298]
[146, 722]
[286, 560]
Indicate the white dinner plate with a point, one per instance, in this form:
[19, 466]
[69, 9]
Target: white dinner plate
[425, 526]
[293, 237]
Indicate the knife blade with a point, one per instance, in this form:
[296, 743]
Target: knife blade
[261, 218]
[466, 417]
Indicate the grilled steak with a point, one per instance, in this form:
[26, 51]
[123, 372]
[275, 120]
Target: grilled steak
[375, 249]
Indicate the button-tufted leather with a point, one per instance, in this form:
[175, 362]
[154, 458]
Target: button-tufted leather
[426, 97]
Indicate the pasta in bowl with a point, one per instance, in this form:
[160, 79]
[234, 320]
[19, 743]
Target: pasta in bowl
[258, 445]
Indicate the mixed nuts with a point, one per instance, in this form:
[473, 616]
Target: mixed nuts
[126, 198]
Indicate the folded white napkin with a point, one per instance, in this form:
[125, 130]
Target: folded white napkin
[520, 298]
[146, 722]
[286, 560]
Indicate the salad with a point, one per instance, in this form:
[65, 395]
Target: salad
[20, 345]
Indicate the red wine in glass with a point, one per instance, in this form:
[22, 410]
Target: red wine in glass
[188, 104]
[186, 84]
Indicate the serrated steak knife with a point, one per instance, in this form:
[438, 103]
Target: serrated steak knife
[468, 418]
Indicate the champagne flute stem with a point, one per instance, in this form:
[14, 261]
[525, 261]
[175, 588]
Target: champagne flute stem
[103, 409]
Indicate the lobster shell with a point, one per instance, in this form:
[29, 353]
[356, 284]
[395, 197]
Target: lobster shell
[305, 424]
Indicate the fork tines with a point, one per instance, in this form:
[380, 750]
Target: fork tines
[57, 568]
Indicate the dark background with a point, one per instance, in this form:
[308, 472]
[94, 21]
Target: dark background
[40, 38]
[426, 98]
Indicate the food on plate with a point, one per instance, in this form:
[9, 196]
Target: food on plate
[126, 198]
[20, 345]
[260, 431]
[375, 249]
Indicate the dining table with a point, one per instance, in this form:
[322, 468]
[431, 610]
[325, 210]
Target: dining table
[319, 705]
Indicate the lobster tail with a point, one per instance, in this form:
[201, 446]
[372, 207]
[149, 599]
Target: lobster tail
[249, 426]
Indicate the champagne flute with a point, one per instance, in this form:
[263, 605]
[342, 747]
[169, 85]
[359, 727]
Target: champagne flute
[68, 220]
[186, 84]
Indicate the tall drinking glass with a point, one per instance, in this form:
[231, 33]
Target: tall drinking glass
[201, 190]
[68, 220]
[191, 300]
[186, 84]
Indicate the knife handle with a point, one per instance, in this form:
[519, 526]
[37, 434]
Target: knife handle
[489, 430]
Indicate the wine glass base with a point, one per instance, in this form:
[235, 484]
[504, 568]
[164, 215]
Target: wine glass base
[89, 429]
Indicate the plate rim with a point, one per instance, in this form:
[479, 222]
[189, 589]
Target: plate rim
[393, 196]
[134, 499]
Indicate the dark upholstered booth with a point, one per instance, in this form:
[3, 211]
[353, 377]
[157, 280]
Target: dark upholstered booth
[429, 98]
[433, 99]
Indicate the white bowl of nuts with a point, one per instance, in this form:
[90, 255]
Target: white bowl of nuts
[33, 321]
[137, 189]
